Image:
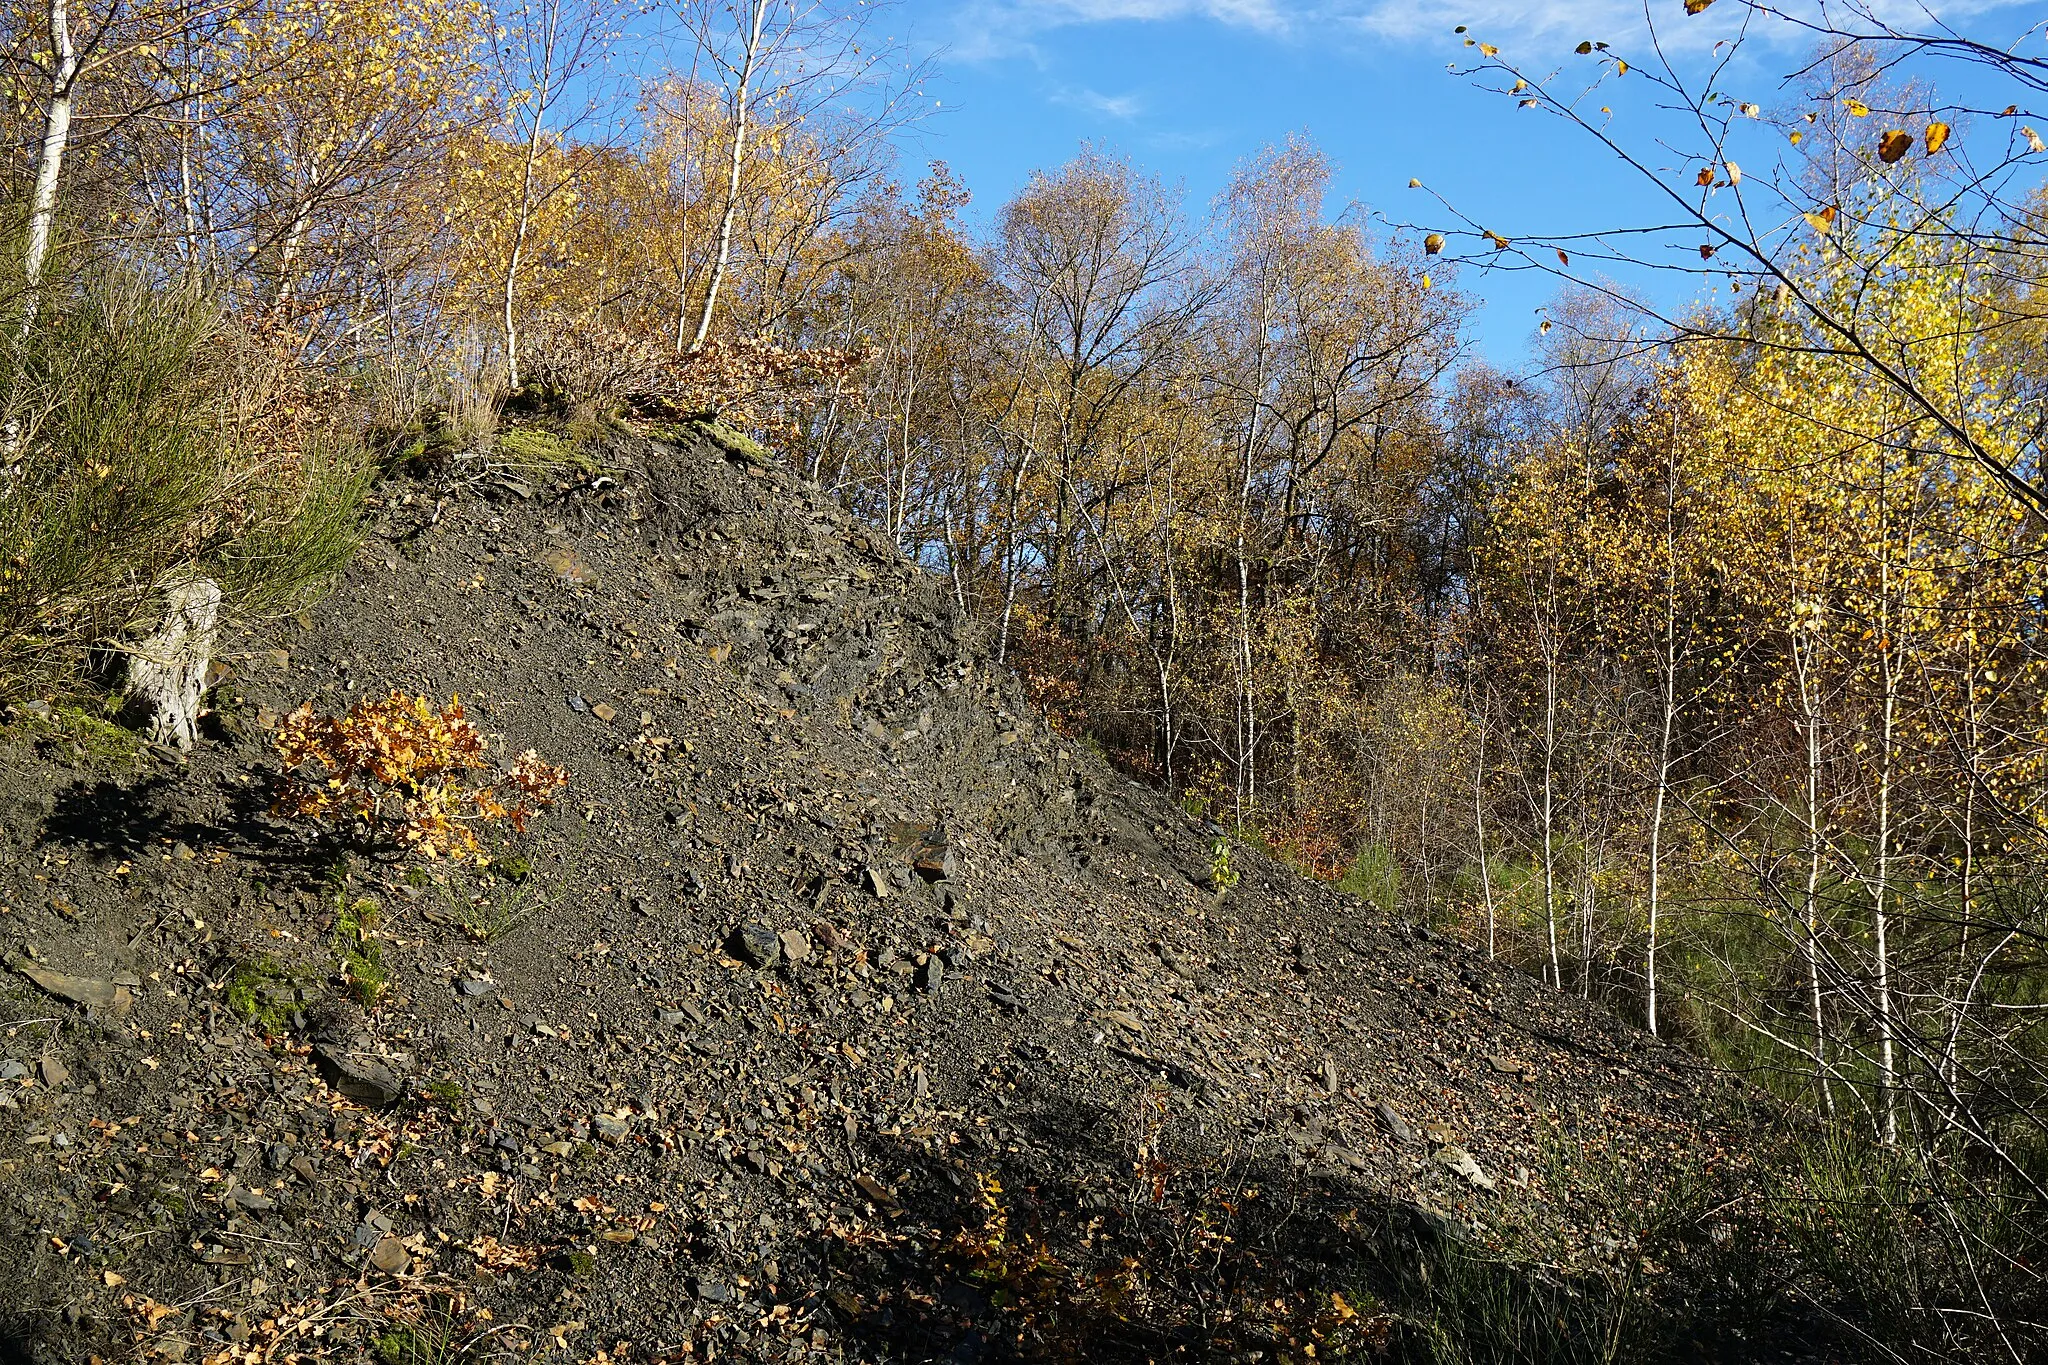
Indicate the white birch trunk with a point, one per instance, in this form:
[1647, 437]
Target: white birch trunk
[757, 16]
[56, 140]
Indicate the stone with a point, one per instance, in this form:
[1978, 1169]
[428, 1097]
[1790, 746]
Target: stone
[254, 1201]
[360, 1078]
[710, 1291]
[605, 712]
[1330, 1074]
[1438, 1134]
[877, 883]
[1125, 1019]
[390, 1256]
[796, 946]
[570, 567]
[53, 1071]
[165, 673]
[756, 945]
[1460, 1160]
[931, 975]
[827, 936]
[79, 990]
[611, 1127]
[1396, 1126]
[13, 1070]
[474, 986]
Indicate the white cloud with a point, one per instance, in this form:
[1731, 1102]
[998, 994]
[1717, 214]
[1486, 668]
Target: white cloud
[985, 29]
[997, 28]
[1123, 108]
[1495, 20]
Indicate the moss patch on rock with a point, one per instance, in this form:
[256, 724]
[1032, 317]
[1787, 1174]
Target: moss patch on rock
[735, 443]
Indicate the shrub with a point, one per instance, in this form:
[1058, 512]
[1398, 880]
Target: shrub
[1221, 875]
[143, 439]
[579, 363]
[1374, 876]
[401, 776]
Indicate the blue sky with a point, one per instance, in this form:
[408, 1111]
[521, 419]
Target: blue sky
[1189, 88]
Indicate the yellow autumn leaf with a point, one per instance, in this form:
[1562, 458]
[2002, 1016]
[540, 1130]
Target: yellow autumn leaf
[1433, 243]
[1856, 107]
[1937, 137]
[1894, 144]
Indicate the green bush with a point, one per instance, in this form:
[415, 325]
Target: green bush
[1374, 876]
[143, 438]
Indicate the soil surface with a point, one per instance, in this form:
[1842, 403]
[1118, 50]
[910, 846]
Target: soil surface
[838, 1011]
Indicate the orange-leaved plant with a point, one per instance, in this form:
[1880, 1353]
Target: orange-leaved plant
[402, 774]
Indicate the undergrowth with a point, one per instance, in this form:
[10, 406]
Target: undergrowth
[81, 726]
[151, 440]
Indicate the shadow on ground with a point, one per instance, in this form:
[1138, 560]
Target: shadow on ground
[1047, 1247]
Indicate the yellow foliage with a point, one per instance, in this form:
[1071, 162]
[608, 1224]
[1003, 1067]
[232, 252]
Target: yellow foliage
[399, 771]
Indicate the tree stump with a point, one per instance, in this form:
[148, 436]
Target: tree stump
[166, 673]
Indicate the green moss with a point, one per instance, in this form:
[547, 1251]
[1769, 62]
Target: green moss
[262, 994]
[445, 1093]
[539, 450]
[362, 958]
[87, 727]
[731, 442]
[516, 868]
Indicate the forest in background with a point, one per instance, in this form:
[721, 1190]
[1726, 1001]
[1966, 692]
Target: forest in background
[1697, 668]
